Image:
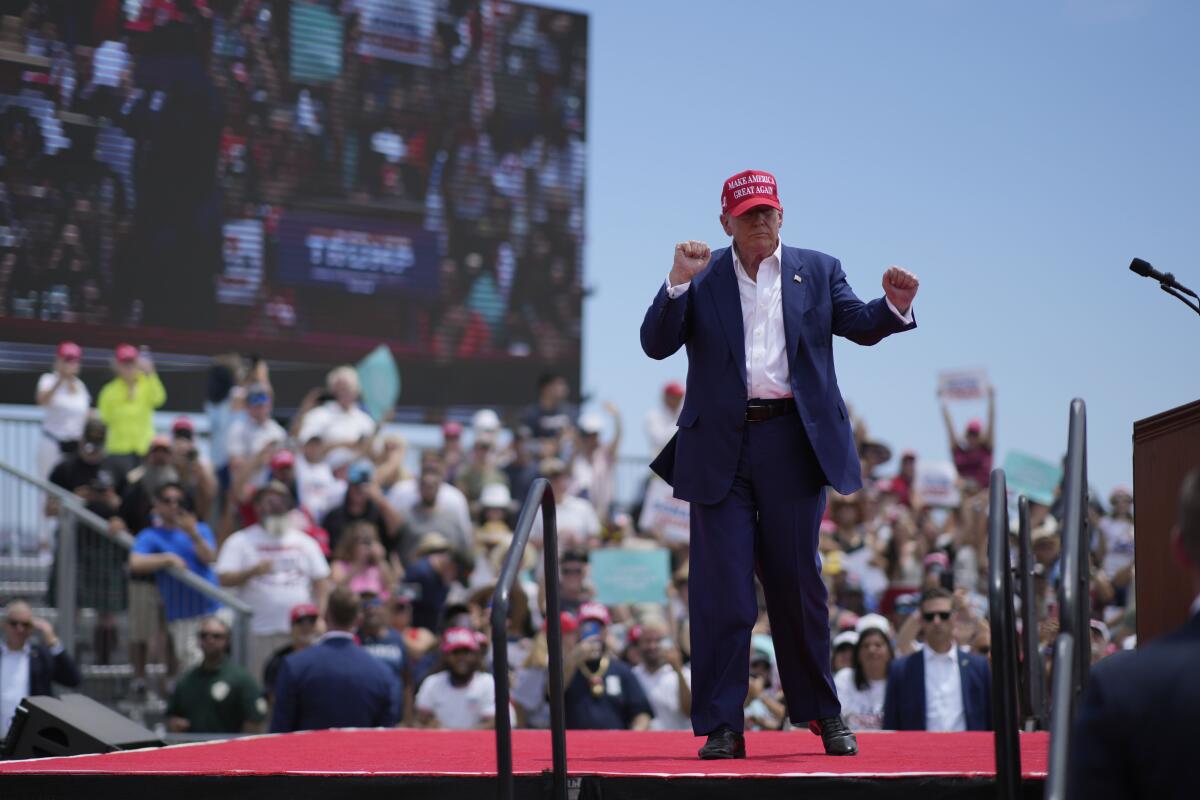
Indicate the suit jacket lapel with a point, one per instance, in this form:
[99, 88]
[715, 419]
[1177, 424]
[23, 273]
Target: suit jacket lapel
[794, 282]
[728, 300]
[919, 679]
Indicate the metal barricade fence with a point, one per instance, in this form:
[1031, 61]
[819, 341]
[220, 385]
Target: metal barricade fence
[116, 626]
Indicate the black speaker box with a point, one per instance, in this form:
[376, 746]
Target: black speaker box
[71, 725]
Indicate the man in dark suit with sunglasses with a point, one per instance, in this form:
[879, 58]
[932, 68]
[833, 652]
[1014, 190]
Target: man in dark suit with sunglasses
[939, 687]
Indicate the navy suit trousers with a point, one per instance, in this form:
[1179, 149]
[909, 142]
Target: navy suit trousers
[767, 525]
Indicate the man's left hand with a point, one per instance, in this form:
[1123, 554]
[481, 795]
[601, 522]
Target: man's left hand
[900, 287]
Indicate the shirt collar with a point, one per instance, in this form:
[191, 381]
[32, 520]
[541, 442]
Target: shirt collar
[946, 656]
[26, 650]
[328, 635]
[737, 262]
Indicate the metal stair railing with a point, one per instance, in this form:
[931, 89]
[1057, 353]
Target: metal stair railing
[72, 514]
[540, 496]
[1005, 692]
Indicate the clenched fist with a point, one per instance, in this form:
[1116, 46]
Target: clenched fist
[690, 258]
[900, 286]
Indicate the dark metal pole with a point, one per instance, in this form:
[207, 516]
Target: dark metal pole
[1062, 718]
[1073, 578]
[1033, 685]
[1004, 644]
[541, 496]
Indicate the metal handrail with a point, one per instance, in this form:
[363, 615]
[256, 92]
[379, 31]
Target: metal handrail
[1073, 600]
[1062, 718]
[73, 510]
[1033, 673]
[1004, 643]
[541, 496]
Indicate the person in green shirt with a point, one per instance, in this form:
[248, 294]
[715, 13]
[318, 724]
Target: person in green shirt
[216, 696]
[127, 404]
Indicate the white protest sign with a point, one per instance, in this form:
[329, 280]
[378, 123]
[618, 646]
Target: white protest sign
[963, 384]
[665, 515]
[936, 483]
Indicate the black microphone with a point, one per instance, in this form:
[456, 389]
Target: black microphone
[1144, 269]
[1166, 282]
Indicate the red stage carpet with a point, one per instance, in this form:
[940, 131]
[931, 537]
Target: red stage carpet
[603, 764]
[473, 753]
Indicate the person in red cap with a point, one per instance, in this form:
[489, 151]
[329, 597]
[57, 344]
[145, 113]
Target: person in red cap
[127, 404]
[530, 698]
[763, 429]
[65, 400]
[602, 693]
[195, 472]
[973, 452]
[660, 420]
[307, 627]
[462, 696]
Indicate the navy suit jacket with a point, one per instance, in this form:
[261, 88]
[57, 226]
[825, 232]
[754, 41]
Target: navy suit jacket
[904, 703]
[46, 668]
[334, 684]
[700, 460]
[1135, 734]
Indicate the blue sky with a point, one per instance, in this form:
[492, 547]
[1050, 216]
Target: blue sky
[1015, 156]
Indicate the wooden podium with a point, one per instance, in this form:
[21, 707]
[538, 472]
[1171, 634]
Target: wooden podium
[1165, 448]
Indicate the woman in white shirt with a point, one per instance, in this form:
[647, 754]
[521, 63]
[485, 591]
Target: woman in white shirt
[65, 400]
[861, 688]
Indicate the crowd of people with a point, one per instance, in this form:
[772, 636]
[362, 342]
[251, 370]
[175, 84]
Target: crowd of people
[322, 528]
[187, 132]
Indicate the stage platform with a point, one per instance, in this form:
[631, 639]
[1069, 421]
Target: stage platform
[603, 765]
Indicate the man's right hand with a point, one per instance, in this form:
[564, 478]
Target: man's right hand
[690, 258]
[263, 567]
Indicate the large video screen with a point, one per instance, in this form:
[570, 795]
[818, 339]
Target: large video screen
[299, 180]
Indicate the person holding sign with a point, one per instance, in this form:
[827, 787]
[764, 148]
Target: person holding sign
[763, 429]
[973, 452]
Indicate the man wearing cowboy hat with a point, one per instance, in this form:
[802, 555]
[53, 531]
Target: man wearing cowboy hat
[762, 431]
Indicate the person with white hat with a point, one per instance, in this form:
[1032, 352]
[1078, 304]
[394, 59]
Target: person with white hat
[862, 686]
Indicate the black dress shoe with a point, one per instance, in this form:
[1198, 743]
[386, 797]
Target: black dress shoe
[837, 738]
[724, 743]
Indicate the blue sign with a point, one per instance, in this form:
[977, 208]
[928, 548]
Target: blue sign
[357, 255]
[630, 576]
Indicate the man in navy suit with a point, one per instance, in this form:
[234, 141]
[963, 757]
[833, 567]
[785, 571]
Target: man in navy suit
[939, 687]
[1136, 730]
[27, 668]
[763, 429]
[335, 683]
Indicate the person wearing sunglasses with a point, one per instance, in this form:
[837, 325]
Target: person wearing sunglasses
[939, 687]
[217, 695]
[28, 667]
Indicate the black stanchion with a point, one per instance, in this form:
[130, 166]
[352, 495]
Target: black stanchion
[1033, 672]
[539, 496]
[1004, 643]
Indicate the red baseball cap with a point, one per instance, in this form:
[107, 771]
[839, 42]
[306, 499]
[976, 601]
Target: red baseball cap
[594, 611]
[452, 428]
[126, 352]
[69, 351]
[459, 639]
[283, 459]
[301, 610]
[674, 388]
[183, 424]
[567, 622]
[974, 426]
[748, 189]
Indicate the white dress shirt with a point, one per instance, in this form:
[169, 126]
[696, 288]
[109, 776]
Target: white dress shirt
[943, 691]
[767, 373]
[14, 682]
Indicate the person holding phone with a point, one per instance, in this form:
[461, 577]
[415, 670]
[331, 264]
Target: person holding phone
[64, 399]
[602, 692]
[127, 404]
[177, 540]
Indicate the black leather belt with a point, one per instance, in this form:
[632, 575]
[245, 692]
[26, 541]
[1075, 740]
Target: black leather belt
[762, 410]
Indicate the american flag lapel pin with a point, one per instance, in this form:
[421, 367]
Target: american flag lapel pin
[797, 278]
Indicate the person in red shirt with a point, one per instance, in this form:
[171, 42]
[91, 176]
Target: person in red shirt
[973, 452]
